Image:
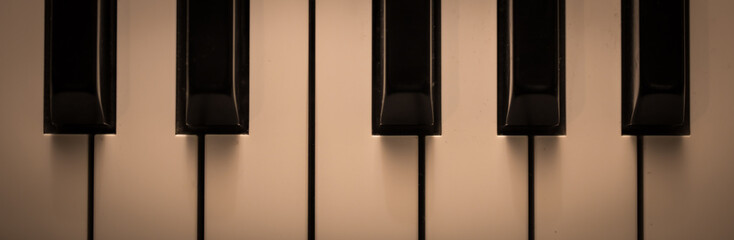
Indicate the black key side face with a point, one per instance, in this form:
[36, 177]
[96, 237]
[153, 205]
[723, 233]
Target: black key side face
[80, 54]
[213, 66]
[406, 90]
[531, 97]
[655, 67]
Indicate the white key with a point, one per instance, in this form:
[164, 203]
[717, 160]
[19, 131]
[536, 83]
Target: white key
[366, 186]
[257, 184]
[43, 178]
[476, 181]
[688, 180]
[146, 175]
[585, 181]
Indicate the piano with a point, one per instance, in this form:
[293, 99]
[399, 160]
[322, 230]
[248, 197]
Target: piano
[365, 185]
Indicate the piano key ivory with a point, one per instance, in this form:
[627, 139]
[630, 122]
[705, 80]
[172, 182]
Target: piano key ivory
[506, 119]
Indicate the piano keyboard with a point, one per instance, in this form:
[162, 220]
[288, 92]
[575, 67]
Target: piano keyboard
[366, 186]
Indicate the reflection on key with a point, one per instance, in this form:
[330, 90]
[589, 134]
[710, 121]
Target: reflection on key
[213, 67]
[531, 98]
[80, 67]
[406, 97]
[655, 67]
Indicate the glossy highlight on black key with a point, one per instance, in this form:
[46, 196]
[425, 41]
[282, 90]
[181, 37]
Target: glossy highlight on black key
[655, 67]
[531, 69]
[212, 67]
[406, 88]
[79, 80]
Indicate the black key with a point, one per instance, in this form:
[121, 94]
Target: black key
[213, 67]
[80, 52]
[406, 97]
[531, 81]
[655, 89]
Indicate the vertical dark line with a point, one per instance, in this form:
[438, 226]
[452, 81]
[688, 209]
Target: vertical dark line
[311, 120]
[421, 187]
[640, 190]
[531, 187]
[200, 186]
[90, 188]
[436, 61]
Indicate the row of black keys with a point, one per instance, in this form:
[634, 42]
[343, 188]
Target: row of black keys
[213, 67]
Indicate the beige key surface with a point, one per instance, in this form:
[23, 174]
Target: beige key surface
[688, 180]
[256, 184]
[366, 186]
[476, 181]
[146, 175]
[43, 177]
[585, 181]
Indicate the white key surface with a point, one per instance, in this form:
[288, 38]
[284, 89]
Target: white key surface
[476, 181]
[146, 175]
[585, 181]
[43, 177]
[366, 186]
[256, 184]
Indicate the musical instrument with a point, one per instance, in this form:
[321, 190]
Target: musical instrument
[365, 185]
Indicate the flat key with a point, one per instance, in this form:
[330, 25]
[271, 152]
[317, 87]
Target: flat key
[366, 186]
[43, 177]
[476, 181]
[146, 174]
[585, 181]
[256, 184]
